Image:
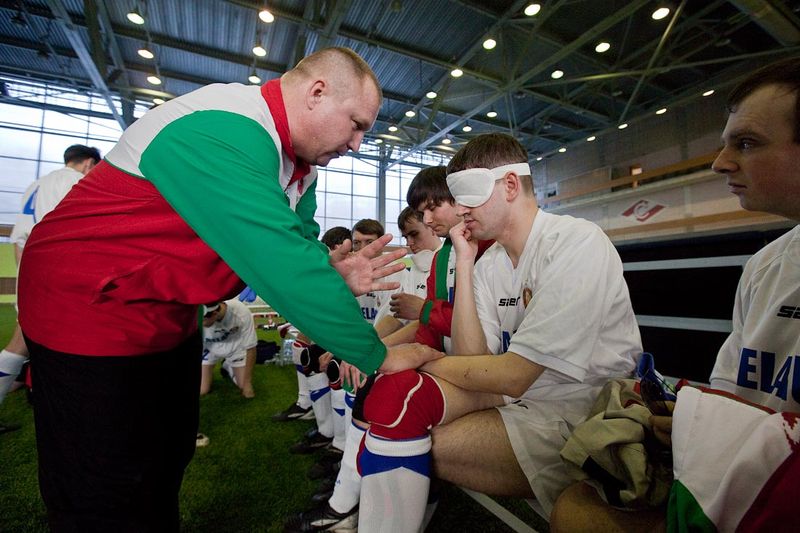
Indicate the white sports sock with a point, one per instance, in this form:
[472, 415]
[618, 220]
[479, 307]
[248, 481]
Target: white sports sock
[10, 367]
[303, 399]
[348, 483]
[394, 489]
[319, 390]
[339, 429]
[349, 400]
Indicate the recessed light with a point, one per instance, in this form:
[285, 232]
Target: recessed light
[446, 140]
[489, 43]
[622, 126]
[532, 9]
[392, 128]
[158, 101]
[562, 149]
[254, 79]
[266, 16]
[145, 53]
[456, 72]
[602, 47]
[135, 17]
[557, 74]
[590, 139]
[491, 113]
[155, 80]
[661, 111]
[539, 158]
[660, 13]
[378, 141]
[708, 92]
[467, 128]
[431, 94]
[259, 50]
[410, 113]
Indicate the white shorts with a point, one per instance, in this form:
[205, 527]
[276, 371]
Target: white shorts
[234, 359]
[538, 431]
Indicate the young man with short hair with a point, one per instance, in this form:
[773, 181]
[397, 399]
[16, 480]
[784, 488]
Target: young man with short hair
[229, 335]
[540, 323]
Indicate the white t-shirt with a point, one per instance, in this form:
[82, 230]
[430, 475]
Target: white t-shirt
[415, 281]
[372, 301]
[41, 197]
[566, 307]
[760, 360]
[234, 334]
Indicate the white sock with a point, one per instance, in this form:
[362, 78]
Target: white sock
[10, 367]
[319, 390]
[339, 429]
[349, 400]
[395, 485]
[348, 483]
[303, 399]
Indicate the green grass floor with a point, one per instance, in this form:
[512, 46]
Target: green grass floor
[245, 480]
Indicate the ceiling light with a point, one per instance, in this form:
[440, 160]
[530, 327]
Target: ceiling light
[602, 47]
[259, 50]
[489, 43]
[155, 80]
[590, 139]
[491, 113]
[456, 72]
[446, 140]
[266, 16]
[708, 92]
[562, 149]
[661, 111]
[254, 79]
[378, 141]
[145, 53]
[622, 126]
[467, 128]
[660, 13]
[431, 94]
[539, 158]
[411, 113]
[557, 74]
[532, 9]
[135, 17]
[158, 101]
[392, 128]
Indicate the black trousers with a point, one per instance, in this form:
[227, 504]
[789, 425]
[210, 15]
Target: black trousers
[114, 435]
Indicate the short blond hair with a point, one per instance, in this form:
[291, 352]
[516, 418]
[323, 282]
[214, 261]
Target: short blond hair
[333, 60]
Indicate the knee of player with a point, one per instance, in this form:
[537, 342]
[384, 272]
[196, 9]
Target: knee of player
[404, 405]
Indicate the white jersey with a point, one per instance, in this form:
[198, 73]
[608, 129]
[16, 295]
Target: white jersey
[566, 307]
[760, 360]
[41, 197]
[372, 301]
[234, 334]
[415, 281]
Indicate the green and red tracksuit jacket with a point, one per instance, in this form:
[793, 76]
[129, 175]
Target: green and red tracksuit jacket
[200, 195]
[436, 315]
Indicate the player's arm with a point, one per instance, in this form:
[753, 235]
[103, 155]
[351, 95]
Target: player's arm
[467, 333]
[387, 325]
[507, 373]
[233, 174]
[403, 335]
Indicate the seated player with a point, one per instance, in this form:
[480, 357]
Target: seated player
[540, 323]
[229, 335]
[759, 161]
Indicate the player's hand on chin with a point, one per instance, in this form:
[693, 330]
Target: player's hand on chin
[406, 356]
[363, 270]
[465, 246]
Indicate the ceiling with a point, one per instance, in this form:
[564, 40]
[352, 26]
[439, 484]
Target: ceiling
[413, 45]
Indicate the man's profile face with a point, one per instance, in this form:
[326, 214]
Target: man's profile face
[361, 240]
[418, 236]
[760, 156]
[338, 121]
[440, 218]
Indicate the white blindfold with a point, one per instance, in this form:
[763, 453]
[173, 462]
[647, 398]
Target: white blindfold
[473, 187]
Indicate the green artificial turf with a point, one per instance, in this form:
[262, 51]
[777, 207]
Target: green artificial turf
[245, 480]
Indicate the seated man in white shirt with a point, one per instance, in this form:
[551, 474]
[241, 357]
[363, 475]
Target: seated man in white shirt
[540, 323]
[229, 335]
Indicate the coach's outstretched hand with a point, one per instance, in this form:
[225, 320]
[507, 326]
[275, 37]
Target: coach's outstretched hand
[406, 356]
[363, 270]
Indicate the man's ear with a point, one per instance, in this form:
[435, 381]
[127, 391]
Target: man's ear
[512, 185]
[315, 92]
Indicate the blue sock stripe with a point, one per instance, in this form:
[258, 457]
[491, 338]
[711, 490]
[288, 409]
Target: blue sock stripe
[371, 463]
[299, 369]
[350, 399]
[317, 394]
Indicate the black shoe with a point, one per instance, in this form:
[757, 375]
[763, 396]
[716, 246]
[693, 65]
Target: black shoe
[294, 412]
[321, 497]
[327, 465]
[323, 518]
[8, 428]
[310, 444]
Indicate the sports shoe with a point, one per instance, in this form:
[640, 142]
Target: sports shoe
[294, 412]
[7, 428]
[311, 443]
[323, 518]
[327, 465]
[201, 441]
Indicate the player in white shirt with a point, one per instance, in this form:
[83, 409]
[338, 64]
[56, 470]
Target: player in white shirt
[760, 360]
[550, 302]
[229, 335]
[41, 197]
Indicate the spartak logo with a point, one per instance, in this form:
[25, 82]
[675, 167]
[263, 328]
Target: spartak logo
[643, 210]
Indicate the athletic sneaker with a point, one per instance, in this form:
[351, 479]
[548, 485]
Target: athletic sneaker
[7, 428]
[294, 412]
[201, 441]
[323, 518]
[327, 465]
[311, 443]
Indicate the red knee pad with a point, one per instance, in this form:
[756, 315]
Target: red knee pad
[405, 405]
